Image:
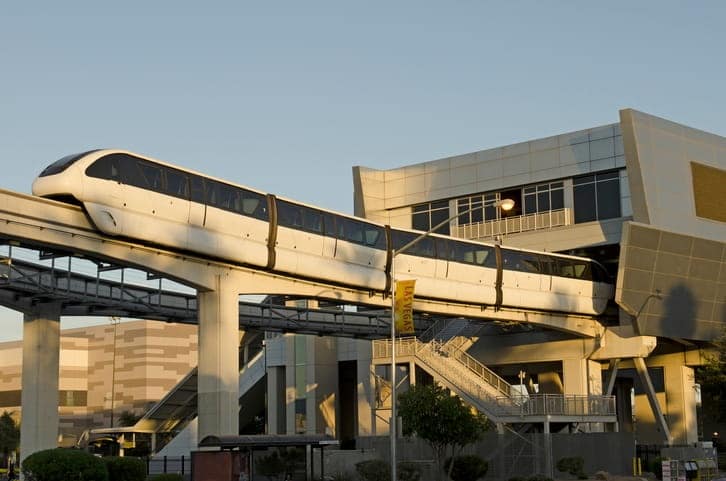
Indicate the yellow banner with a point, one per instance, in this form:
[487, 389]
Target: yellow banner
[404, 306]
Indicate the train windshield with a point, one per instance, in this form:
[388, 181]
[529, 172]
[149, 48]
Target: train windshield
[62, 164]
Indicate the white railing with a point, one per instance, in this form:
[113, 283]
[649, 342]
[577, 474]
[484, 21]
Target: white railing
[515, 224]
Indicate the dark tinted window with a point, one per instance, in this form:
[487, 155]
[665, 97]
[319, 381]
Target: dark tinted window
[520, 261]
[235, 199]
[197, 186]
[597, 196]
[424, 247]
[573, 268]
[608, 199]
[63, 163]
[299, 217]
[585, 206]
[107, 167]
[360, 232]
[473, 254]
[177, 183]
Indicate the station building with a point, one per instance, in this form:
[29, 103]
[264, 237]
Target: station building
[644, 196]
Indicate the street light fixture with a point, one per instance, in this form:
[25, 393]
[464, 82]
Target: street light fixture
[505, 205]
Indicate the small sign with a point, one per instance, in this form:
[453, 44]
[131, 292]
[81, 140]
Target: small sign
[404, 306]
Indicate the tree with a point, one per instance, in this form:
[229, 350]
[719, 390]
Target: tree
[712, 377]
[442, 420]
[9, 434]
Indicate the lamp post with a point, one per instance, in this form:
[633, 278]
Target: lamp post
[504, 204]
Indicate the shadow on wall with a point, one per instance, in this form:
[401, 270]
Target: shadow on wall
[679, 312]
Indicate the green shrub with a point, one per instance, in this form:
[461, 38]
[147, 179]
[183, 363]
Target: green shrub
[64, 465]
[517, 478]
[467, 468]
[374, 470]
[168, 477]
[573, 466]
[125, 469]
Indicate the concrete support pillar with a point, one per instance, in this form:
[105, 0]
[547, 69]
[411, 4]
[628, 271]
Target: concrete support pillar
[365, 396]
[275, 400]
[681, 402]
[218, 401]
[581, 377]
[41, 354]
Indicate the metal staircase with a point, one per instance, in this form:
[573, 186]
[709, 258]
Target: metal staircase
[441, 352]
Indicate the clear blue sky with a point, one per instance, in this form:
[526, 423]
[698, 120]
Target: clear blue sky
[288, 96]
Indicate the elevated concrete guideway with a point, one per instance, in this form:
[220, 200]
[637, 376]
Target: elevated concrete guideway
[50, 225]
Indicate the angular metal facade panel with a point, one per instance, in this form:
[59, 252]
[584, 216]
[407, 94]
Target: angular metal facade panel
[672, 284]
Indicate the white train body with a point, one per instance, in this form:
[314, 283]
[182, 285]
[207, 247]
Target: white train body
[129, 195]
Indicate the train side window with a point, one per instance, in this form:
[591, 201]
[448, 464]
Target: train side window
[131, 172]
[444, 249]
[480, 256]
[547, 265]
[425, 247]
[352, 231]
[254, 205]
[582, 270]
[152, 174]
[105, 168]
[373, 235]
[312, 220]
[329, 224]
[399, 239]
[197, 189]
[177, 184]
[211, 192]
[520, 261]
[288, 215]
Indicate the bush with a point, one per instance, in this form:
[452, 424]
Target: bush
[64, 465]
[467, 468]
[168, 477]
[374, 470]
[573, 466]
[125, 469]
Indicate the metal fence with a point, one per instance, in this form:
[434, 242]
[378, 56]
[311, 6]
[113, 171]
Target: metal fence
[514, 224]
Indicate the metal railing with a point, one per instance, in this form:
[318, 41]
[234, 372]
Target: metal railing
[558, 405]
[514, 224]
[485, 389]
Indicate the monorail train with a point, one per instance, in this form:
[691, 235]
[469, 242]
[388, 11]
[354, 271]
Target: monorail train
[129, 195]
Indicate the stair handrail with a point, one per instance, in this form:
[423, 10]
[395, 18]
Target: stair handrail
[479, 369]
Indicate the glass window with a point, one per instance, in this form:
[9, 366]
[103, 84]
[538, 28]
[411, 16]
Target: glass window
[544, 197]
[597, 196]
[197, 187]
[63, 163]
[608, 199]
[428, 215]
[585, 203]
[177, 184]
[520, 261]
[107, 167]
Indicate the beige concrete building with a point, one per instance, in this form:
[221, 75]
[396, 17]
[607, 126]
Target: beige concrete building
[107, 369]
[644, 196]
